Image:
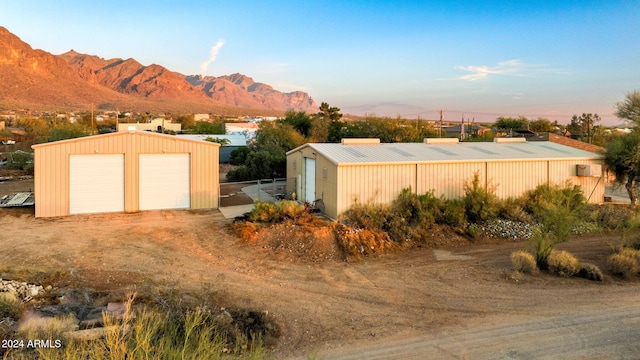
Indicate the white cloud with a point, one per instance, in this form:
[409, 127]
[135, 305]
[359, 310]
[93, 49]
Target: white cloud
[510, 67]
[212, 56]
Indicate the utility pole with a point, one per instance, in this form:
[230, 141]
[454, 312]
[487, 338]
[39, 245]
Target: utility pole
[91, 118]
[440, 133]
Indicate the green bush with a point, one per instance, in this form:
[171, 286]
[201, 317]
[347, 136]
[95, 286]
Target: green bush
[590, 271]
[417, 209]
[264, 212]
[20, 160]
[614, 217]
[513, 209]
[524, 262]
[562, 263]
[543, 197]
[369, 216]
[480, 204]
[453, 214]
[543, 246]
[288, 209]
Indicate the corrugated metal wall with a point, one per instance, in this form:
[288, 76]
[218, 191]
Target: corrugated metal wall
[448, 179]
[51, 168]
[372, 183]
[513, 178]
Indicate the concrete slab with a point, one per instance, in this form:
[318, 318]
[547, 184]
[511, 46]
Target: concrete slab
[231, 212]
[618, 194]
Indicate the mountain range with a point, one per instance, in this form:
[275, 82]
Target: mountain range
[36, 79]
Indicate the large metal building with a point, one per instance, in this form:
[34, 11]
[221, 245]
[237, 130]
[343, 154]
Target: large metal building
[125, 172]
[365, 170]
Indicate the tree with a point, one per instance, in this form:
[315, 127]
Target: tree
[629, 108]
[266, 157]
[542, 125]
[581, 127]
[67, 131]
[300, 121]
[35, 128]
[326, 124]
[186, 121]
[506, 123]
[623, 159]
[222, 142]
[205, 127]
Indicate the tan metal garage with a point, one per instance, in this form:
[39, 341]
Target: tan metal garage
[367, 171]
[125, 171]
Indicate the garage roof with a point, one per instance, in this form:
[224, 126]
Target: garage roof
[343, 154]
[121, 134]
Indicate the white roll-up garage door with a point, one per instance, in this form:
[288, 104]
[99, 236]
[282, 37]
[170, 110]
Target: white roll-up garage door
[96, 183]
[165, 181]
[309, 180]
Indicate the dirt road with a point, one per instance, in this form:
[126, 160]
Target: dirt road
[403, 305]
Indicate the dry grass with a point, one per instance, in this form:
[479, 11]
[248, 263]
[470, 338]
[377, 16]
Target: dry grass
[524, 262]
[590, 271]
[562, 263]
[624, 264]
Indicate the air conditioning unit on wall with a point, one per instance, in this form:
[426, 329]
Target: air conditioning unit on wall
[589, 170]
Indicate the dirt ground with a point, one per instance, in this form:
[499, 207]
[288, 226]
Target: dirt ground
[405, 305]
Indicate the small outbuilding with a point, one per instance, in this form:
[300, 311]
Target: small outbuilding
[365, 170]
[125, 171]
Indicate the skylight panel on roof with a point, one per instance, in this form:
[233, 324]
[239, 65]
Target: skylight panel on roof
[355, 152]
[516, 148]
[488, 152]
[400, 152]
[554, 149]
[442, 151]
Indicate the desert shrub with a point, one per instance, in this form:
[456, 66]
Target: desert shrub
[590, 271]
[474, 231]
[524, 262]
[358, 243]
[20, 160]
[543, 245]
[288, 209]
[368, 216]
[246, 230]
[632, 253]
[10, 307]
[417, 209]
[614, 217]
[562, 263]
[548, 202]
[480, 204]
[453, 214]
[166, 332]
[513, 209]
[633, 243]
[264, 212]
[623, 265]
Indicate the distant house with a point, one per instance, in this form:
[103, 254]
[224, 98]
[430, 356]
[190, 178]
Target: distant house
[235, 142]
[470, 129]
[243, 128]
[201, 117]
[157, 124]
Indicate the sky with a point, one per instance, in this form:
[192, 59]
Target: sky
[471, 59]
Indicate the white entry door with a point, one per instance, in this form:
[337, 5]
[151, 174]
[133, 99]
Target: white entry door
[309, 180]
[165, 181]
[96, 183]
